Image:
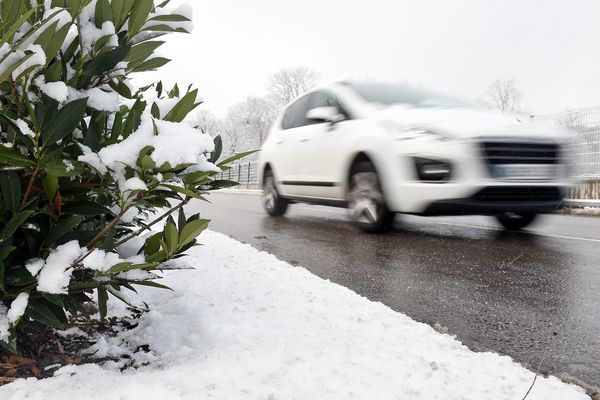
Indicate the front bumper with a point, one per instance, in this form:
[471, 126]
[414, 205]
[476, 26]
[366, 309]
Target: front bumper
[495, 200]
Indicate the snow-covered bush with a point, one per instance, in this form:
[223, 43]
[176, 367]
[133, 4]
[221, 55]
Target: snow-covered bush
[87, 161]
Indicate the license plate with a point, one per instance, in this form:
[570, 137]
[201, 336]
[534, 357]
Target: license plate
[524, 171]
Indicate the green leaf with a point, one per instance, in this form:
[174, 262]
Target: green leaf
[222, 184]
[53, 72]
[179, 189]
[65, 225]
[8, 71]
[183, 107]
[120, 9]
[191, 230]
[62, 168]
[65, 121]
[197, 178]
[139, 14]
[164, 28]
[121, 88]
[50, 184]
[128, 266]
[174, 92]
[11, 157]
[102, 302]
[85, 208]
[105, 62]
[39, 311]
[55, 299]
[236, 157]
[216, 153]
[152, 244]
[18, 277]
[140, 52]
[170, 17]
[181, 220]
[151, 64]
[45, 37]
[84, 286]
[171, 236]
[103, 13]
[8, 34]
[56, 43]
[151, 284]
[10, 185]
[4, 252]
[13, 224]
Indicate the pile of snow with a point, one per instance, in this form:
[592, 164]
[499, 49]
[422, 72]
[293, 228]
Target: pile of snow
[245, 325]
[55, 273]
[9, 317]
[595, 211]
[173, 143]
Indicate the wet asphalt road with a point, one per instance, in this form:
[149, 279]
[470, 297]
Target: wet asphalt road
[521, 294]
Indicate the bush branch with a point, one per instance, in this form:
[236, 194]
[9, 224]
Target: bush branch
[30, 185]
[148, 226]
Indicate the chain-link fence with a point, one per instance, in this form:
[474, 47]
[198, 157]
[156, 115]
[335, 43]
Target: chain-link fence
[584, 125]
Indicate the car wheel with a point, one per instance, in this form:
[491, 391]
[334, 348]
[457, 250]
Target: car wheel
[274, 204]
[366, 201]
[514, 221]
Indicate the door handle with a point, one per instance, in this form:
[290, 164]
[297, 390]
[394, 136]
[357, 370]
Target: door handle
[280, 142]
[304, 140]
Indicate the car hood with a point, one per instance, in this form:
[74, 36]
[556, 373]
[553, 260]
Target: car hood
[463, 123]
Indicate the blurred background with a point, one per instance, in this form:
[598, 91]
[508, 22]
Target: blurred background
[535, 58]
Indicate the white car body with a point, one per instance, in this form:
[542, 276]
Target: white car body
[312, 163]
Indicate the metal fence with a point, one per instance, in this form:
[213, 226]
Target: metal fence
[584, 125]
[243, 173]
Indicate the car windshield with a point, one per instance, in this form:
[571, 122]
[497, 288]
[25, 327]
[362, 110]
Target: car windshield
[384, 94]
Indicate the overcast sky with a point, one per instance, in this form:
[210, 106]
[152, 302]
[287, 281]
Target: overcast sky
[550, 47]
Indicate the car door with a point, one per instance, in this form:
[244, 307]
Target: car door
[288, 159]
[322, 150]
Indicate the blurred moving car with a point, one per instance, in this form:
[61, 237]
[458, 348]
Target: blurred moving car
[381, 149]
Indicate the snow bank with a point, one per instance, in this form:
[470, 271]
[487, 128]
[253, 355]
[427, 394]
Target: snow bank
[245, 325]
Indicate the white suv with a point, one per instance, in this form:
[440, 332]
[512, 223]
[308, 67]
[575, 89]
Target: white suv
[379, 149]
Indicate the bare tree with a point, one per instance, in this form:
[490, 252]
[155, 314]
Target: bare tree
[503, 95]
[207, 122]
[261, 113]
[288, 83]
[248, 122]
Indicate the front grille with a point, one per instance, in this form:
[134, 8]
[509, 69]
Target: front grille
[508, 194]
[509, 152]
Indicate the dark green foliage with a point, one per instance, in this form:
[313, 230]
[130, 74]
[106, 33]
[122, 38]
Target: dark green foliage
[49, 196]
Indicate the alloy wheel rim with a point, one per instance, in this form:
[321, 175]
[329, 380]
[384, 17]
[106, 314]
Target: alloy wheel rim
[365, 198]
[270, 194]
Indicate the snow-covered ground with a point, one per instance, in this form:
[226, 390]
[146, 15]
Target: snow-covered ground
[245, 325]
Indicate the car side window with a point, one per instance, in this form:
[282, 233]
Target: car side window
[324, 99]
[295, 115]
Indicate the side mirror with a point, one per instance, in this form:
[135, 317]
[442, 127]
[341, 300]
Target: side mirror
[325, 114]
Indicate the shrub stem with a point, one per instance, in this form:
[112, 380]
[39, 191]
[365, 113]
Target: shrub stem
[148, 226]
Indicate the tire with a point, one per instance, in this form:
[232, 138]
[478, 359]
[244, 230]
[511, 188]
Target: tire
[515, 222]
[274, 204]
[366, 201]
